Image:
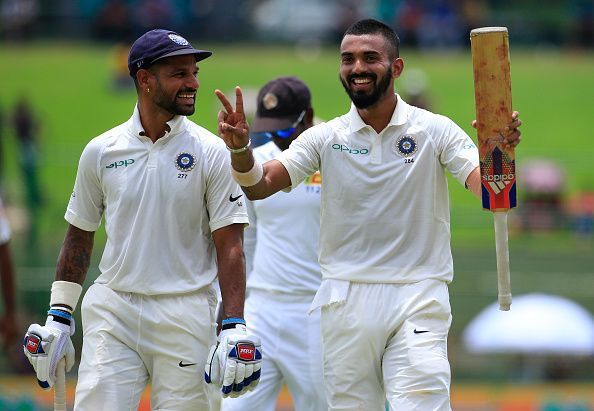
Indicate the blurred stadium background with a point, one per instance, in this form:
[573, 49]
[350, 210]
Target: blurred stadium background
[67, 59]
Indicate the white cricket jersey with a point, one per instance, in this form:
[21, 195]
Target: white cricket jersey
[4, 226]
[161, 202]
[281, 243]
[385, 204]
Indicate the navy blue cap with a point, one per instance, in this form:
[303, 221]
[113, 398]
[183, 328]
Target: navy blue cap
[157, 44]
[280, 102]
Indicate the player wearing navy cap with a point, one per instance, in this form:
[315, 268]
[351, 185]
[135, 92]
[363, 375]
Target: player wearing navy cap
[174, 222]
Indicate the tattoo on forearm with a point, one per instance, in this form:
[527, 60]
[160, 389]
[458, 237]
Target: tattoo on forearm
[75, 256]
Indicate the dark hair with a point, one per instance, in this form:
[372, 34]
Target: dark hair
[371, 26]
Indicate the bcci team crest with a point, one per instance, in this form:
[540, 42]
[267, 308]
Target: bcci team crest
[185, 162]
[406, 145]
[178, 39]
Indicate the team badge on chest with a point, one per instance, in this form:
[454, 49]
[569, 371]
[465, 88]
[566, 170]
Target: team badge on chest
[406, 145]
[185, 161]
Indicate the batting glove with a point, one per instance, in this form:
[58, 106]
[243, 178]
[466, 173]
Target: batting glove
[45, 346]
[234, 362]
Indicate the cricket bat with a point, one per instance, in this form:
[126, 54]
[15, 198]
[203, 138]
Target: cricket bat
[492, 92]
[60, 387]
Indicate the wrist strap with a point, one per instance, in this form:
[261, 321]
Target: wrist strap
[65, 294]
[229, 323]
[234, 320]
[239, 150]
[59, 315]
[249, 178]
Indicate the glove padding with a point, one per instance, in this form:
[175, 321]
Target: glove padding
[234, 362]
[45, 346]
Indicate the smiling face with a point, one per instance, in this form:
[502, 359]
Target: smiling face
[174, 83]
[368, 68]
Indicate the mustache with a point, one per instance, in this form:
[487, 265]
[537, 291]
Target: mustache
[351, 77]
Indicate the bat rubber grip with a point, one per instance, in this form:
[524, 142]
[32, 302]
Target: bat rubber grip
[60, 387]
[502, 250]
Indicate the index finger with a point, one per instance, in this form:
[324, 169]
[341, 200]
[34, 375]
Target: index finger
[223, 99]
[238, 100]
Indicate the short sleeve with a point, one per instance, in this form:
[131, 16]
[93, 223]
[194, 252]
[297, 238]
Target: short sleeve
[302, 158]
[457, 151]
[85, 207]
[225, 201]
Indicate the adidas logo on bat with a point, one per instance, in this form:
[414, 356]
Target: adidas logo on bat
[498, 182]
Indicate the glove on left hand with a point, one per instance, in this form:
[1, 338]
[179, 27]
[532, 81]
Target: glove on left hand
[45, 346]
[234, 362]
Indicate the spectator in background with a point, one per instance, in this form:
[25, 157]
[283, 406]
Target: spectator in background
[408, 19]
[8, 330]
[113, 21]
[120, 79]
[154, 14]
[18, 18]
[26, 128]
[581, 212]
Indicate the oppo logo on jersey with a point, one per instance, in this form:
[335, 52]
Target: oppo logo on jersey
[499, 177]
[121, 163]
[246, 352]
[340, 147]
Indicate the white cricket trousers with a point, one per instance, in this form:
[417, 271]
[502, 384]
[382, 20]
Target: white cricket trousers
[388, 341]
[131, 339]
[291, 353]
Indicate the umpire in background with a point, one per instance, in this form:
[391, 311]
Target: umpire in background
[174, 223]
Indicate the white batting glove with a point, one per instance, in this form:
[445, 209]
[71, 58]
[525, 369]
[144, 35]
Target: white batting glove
[234, 362]
[45, 346]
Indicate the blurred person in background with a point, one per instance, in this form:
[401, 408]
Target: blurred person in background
[384, 227]
[174, 223]
[26, 129]
[8, 325]
[281, 248]
[26, 126]
[2, 136]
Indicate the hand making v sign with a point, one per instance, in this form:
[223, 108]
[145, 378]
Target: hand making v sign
[233, 127]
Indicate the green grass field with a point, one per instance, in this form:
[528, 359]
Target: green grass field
[69, 84]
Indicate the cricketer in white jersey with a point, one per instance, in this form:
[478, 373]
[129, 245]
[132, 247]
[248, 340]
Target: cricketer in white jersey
[384, 238]
[174, 222]
[281, 248]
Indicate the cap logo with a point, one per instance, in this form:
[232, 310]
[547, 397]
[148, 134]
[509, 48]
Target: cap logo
[270, 101]
[178, 39]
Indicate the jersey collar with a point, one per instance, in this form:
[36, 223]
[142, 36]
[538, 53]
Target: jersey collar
[399, 116]
[175, 125]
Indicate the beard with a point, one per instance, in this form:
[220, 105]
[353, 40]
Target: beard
[171, 105]
[362, 99]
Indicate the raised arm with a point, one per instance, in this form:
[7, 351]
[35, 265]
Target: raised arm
[257, 181]
[473, 182]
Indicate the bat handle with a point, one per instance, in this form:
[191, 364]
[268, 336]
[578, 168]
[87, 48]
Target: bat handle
[502, 250]
[60, 387]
